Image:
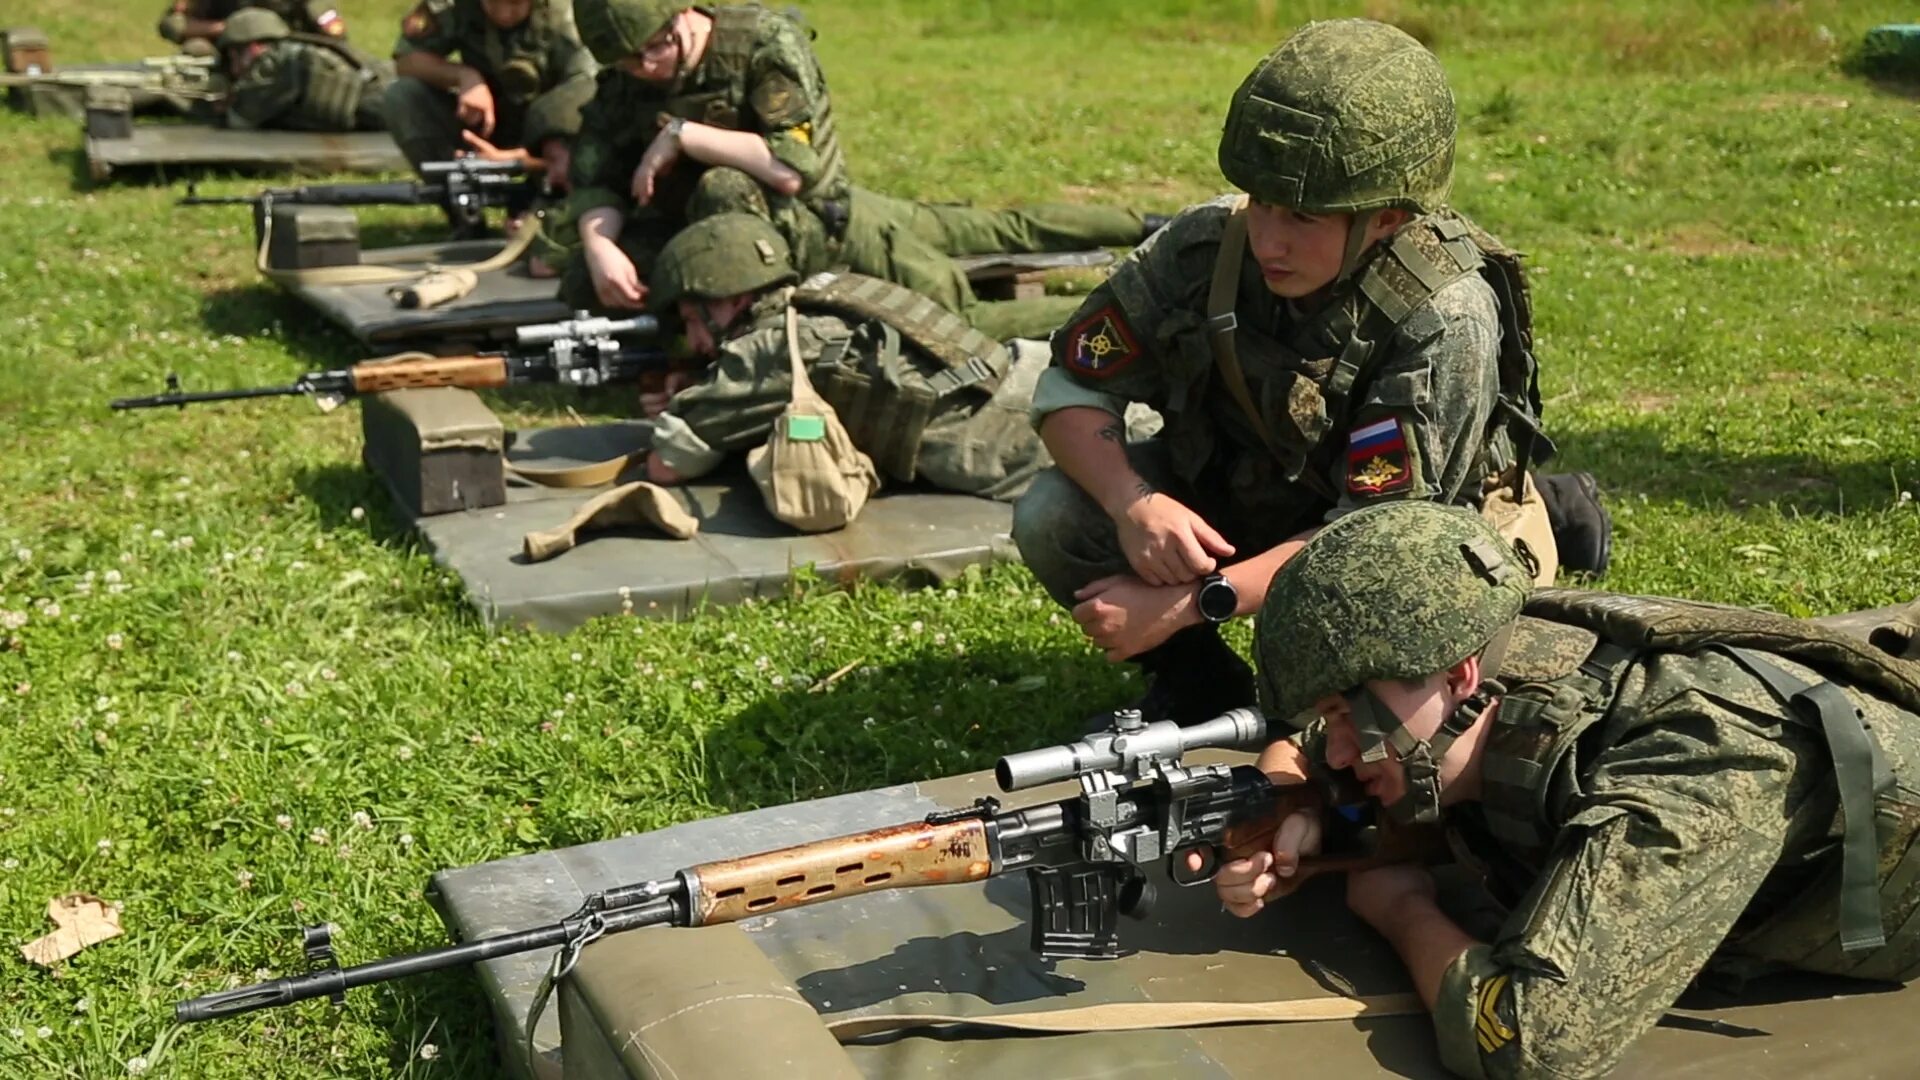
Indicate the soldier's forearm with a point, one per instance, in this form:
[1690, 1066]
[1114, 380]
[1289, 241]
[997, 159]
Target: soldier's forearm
[1090, 446]
[1427, 941]
[741, 150]
[435, 70]
[201, 28]
[601, 225]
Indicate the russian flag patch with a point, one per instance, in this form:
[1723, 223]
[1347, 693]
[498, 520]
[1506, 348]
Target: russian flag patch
[1377, 459]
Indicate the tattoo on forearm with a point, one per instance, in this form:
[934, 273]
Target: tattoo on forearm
[1113, 433]
[1143, 489]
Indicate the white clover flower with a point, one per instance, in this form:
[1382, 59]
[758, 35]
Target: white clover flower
[916, 626]
[318, 835]
[23, 554]
[406, 839]
[104, 844]
[111, 577]
[575, 657]
[404, 753]
[116, 641]
[357, 514]
[362, 819]
[112, 719]
[779, 680]
[329, 674]
[10, 864]
[296, 565]
[428, 1051]
[83, 1005]
[43, 1032]
[697, 685]
[158, 534]
[51, 610]
[867, 723]
[136, 1066]
[568, 697]
[939, 744]
[283, 821]
[558, 714]
[245, 878]
[234, 657]
[761, 663]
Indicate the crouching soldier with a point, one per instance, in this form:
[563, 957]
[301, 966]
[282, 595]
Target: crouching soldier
[299, 82]
[921, 392]
[1655, 789]
[509, 53]
[195, 25]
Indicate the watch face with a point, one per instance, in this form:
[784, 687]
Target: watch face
[1218, 599]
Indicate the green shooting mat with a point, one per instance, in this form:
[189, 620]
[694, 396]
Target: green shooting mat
[153, 145]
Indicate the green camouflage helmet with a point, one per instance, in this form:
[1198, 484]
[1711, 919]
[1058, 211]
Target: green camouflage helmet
[721, 256]
[249, 25]
[1398, 590]
[1345, 116]
[613, 30]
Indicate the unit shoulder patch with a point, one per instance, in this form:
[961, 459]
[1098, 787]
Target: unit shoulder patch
[1377, 459]
[1102, 344]
[419, 22]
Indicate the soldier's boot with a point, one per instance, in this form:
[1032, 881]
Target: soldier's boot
[1192, 677]
[1582, 528]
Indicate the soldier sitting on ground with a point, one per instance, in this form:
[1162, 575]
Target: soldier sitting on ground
[510, 53]
[1337, 337]
[195, 25]
[707, 110]
[299, 82]
[1655, 790]
[921, 392]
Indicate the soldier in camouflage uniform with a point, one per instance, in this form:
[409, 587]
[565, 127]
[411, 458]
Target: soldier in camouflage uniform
[1336, 338]
[510, 52]
[924, 394]
[1654, 789]
[707, 110]
[299, 82]
[195, 25]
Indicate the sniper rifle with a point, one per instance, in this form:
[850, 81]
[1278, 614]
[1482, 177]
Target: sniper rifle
[464, 188]
[1085, 859]
[188, 77]
[580, 352]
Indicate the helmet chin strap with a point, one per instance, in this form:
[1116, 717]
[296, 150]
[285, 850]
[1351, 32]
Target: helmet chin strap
[1420, 758]
[1356, 243]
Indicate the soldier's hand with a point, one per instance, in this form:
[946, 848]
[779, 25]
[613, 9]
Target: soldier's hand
[1166, 543]
[616, 282]
[657, 161]
[479, 147]
[1246, 885]
[1125, 616]
[473, 105]
[659, 472]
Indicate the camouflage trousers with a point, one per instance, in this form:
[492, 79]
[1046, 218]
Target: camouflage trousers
[1068, 540]
[905, 242]
[426, 128]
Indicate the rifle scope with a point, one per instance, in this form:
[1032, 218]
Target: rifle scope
[1128, 744]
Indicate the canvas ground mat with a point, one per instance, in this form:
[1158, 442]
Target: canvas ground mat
[195, 144]
[504, 299]
[912, 537]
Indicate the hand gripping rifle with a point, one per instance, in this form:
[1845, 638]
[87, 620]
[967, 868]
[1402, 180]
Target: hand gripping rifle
[1085, 857]
[463, 187]
[582, 352]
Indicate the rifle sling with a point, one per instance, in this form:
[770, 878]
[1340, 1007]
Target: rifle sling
[1144, 1015]
[377, 274]
[579, 476]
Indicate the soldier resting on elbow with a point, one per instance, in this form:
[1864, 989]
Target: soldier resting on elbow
[1654, 789]
[297, 81]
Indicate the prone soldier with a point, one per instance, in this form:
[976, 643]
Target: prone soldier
[709, 110]
[922, 392]
[301, 82]
[510, 52]
[1335, 338]
[1654, 789]
[195, 25]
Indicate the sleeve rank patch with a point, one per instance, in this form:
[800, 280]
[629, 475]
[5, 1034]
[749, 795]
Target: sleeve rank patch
[1492, 1031]
[418, 23]
[1101, 345]
[1377, 459]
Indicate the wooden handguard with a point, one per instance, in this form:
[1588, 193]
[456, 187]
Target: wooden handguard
[892, 858]
[473, 372]
[1396, 843]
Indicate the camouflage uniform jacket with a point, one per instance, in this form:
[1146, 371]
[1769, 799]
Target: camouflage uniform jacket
[759, 74]
[303, 16]
[518, 64]
[1417, 423]
[309, 86]
[977, 441]
[1686, 821]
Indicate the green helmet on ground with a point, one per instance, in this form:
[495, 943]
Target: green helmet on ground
[721, 256]
[249, 25]
[1399, 590]
[613, 30]
[1345, 116]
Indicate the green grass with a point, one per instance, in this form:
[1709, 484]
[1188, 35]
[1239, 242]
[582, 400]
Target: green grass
[226, 642]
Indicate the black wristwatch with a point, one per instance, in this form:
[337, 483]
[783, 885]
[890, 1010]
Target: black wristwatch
[1216, 598]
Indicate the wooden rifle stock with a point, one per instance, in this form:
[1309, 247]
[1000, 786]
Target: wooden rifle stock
[472, 372]
[898, 856]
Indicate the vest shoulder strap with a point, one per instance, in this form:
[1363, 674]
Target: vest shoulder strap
[736, 29]
[968, 358]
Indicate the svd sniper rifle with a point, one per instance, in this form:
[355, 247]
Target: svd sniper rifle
[464, 188]
[1084, 857]
[581, 352]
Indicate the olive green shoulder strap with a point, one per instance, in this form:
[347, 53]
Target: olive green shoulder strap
[967, 356]
[735, 31]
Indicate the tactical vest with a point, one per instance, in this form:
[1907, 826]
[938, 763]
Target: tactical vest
[1529, 782]
[334, 77]
[1305, 384]
[514, 62]
[729, 58]
[886, 394]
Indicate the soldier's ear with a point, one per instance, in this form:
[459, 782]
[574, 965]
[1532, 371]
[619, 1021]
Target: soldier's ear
[1463, 678]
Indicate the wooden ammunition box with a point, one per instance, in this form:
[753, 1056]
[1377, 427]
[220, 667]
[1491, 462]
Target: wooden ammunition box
[306, 237]
[437, 450]
[26, 51]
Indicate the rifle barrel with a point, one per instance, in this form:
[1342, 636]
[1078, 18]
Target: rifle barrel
[184, 398]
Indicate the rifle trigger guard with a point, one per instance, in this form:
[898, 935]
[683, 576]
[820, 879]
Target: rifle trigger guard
[1209, 865]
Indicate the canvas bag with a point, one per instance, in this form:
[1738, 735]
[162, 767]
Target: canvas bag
[810, 473]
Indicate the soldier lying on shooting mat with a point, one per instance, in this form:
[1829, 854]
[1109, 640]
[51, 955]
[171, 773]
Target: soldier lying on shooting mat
[1337, 338]
[923, 393]
[705, 110]
[1655, 789]
[510, 52]
[195, 25]
[300, 82]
